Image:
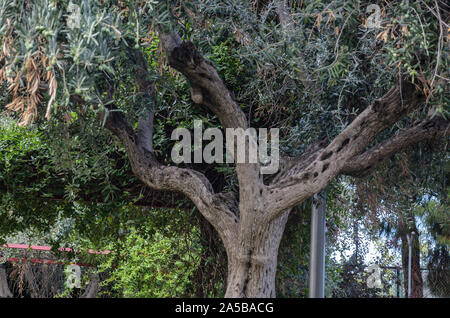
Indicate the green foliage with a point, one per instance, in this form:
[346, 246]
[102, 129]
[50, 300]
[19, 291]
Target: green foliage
[230, 64]
[23, 157]
[416, 39]
[437, 219]
[47, 176]
[293, 260]
[309, 79]
[153, 266]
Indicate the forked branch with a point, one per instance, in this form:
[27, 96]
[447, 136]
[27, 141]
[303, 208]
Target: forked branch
[424, 130]
[301, 180]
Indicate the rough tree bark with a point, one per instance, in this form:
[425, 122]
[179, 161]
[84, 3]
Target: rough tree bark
[4, 289]
[92, 289]
[251, 225]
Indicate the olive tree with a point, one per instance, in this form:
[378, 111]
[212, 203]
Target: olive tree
[347, 87]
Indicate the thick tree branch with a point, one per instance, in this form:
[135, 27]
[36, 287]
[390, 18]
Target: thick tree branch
[219, 212]
[302, 181]
[207, 88]
[219, 209]
[145, 124]
[145, 131]
[300, 162]
[424, 130]
[4, 289]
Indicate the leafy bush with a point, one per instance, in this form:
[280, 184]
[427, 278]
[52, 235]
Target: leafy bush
[160, 266]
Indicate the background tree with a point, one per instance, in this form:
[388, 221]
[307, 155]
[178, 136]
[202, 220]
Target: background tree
[400, 195]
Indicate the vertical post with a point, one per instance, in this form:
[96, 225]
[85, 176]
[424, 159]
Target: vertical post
[397, 271]
[317, 253]
[410, 241]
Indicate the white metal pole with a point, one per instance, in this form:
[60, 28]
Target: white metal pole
[317, 250]
[410, 238]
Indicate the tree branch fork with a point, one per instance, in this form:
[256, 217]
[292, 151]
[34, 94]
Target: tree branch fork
[298, 179]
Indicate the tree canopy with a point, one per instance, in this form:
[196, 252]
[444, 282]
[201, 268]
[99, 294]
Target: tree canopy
[349, 84]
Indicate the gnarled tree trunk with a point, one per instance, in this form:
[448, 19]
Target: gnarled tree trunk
[4, 289]
[252, 222]
[252, 264]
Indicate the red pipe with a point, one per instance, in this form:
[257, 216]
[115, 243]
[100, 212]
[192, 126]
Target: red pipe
[48, 248]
